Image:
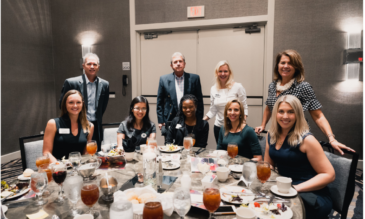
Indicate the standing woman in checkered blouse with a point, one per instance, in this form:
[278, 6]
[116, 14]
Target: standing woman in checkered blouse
[289, 79]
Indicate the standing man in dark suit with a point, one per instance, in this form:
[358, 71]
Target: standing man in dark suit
[94, 90]
[173, 87]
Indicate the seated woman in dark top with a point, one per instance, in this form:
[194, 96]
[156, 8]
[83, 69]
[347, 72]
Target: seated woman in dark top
[236, 131]
[186, 124]
[298, 155]
[137, 124]
[71, 131]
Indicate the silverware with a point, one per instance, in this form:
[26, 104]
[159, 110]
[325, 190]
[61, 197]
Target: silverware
[271, 199]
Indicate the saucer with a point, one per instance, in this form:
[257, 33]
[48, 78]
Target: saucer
[292, 191]
[22, 177]
[236, 168]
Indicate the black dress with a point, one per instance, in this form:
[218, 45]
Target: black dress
[63, 144]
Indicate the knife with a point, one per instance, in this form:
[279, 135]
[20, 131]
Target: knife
[271, 199]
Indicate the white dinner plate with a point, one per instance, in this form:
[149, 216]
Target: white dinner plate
[236, 168]
[283, 215]
[163, 149]
[22, 177]
[245, 194]
[174, 165]
[5, 208]
[292, 191]
[19, 194]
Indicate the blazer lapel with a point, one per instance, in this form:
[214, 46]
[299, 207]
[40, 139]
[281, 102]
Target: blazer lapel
[98, 92]
[83, 89]
[187, 89]
[172, 89]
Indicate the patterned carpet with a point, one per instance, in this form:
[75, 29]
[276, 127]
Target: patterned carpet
[12, 169]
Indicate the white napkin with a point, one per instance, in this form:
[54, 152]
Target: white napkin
[167, 202]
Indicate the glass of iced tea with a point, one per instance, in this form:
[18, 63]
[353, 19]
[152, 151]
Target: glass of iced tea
[44, 168]
[59, 173]
[89, 196]
[232, 150]
[188, 143]
[91, 147]
[152, 142]
[263, 173]
[211, 198]
[42, 160]
[153, 209]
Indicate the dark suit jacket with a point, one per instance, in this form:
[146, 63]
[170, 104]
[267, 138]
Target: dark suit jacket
[167, 100]
[101, 100]
[176, 136]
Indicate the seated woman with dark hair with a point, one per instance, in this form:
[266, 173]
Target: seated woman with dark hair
[235, 130]
[297, 154]
[71, 131]
[186, 124]
[137, 124]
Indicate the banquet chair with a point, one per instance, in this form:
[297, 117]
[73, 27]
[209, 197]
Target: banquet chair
[30, 148]
[342, 189]
[262, 141]
[110, 134]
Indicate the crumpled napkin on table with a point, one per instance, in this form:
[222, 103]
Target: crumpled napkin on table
[166, 199]
[39, 215]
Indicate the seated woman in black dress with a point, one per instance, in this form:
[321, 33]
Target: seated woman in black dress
[235, 130]
[71, 131]
[186, 124]
[137, 124]
[298, 155]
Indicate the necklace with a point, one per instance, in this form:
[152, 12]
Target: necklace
[285, 87]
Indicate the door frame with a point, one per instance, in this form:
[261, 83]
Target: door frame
[136, 30]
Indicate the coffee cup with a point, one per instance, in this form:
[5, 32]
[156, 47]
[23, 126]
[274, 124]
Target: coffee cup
[245, 213]
[222, 173]
[142, 147]
[283, 184]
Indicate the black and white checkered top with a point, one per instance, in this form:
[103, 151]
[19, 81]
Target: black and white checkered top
[303, 91]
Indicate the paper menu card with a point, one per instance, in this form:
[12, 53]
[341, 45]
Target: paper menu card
[194, 161]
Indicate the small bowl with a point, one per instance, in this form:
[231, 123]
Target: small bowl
[87, 170]
[108, 190]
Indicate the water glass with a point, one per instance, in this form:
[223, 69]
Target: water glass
[182, 201]
[38, 183]
[249, 172]
[121, 209]
[75, 159]
[45, 168]
[72, 188]
[105, 146]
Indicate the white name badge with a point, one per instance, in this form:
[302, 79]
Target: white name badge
[64, 131]
[178, 126]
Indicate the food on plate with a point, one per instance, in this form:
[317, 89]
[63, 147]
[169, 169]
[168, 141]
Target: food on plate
[4, 185]
[171, 147]
[5, 193]
[141, 199]
[27, 172]
[264, 208]
[12, 189]
[116, 152]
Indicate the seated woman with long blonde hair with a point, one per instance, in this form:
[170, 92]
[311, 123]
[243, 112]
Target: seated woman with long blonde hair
[297, 154]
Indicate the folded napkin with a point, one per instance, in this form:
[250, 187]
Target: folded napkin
[39, 215]
[130, 144]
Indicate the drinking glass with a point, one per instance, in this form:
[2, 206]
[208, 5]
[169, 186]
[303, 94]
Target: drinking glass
[204, 166]
[192, 136]
[188, 143]
[44, 168]
[152, 142]
[42, 160]
[182, 201]
[211, 198]
[121, 209]
[72, 187]
[222, 159]
[75, 159]
[263, 174]
[249, 172]
[153, 209]
[91, 147]
[232, 150]
[38, 183]
[59, 173]
[89, 196]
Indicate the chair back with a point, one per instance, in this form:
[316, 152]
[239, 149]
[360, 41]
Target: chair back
[110, 134]
[342, 189]
[30, 150]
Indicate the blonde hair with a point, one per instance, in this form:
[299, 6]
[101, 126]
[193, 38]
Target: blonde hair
[295, 61]
[82, 115]
[300, 126]
[230, 80]
[227, 121]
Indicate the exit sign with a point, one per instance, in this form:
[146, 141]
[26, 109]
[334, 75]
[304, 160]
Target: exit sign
[196, 11]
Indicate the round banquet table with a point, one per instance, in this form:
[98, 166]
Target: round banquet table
[21, 209]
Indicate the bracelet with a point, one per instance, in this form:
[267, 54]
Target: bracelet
[333, 141]
[329, 135]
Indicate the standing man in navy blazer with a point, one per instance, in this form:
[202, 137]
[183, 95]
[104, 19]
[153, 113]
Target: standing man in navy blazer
[94, 90]
[173, 87]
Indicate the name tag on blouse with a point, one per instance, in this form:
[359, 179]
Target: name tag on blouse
[178, 126]
[64, 131]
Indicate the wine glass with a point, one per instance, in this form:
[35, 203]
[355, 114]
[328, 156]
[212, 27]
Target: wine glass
[153, 209]
[59, 173]
[249, 172]
[211, 198]
[188, 143]
[192, 136]
[89, 196]
[263, 174]
[91, 147]
[182, 201]
[204, 166]
[72, 187]
[232, 150]
[38, 183]
[75, 159]
[42, 160]
[44, 168]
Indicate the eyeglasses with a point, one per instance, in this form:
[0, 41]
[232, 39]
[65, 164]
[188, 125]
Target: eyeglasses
[139, 109]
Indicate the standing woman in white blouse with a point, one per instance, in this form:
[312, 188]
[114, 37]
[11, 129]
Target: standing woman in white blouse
[222, 91]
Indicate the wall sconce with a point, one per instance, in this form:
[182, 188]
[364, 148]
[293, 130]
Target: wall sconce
[85, 49]
[353, 56]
